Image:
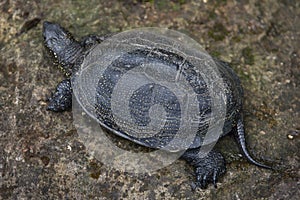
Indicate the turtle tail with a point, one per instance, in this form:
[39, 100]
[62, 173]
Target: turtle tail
[240, 137]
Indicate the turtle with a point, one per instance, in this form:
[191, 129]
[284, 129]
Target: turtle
[70, 54]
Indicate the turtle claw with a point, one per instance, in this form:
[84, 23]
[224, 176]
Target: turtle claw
[215, 179]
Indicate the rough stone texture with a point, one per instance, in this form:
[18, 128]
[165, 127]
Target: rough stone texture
[41, 156]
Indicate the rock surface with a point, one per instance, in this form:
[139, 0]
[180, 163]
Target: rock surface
[41, 156]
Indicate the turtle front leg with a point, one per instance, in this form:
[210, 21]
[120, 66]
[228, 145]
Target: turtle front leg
[62, 97]
[207, 169]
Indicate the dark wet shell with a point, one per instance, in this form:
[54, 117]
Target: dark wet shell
[163, 61]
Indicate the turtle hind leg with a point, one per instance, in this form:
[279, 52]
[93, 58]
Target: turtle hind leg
[61, 100]
[208, 169]
[239, 134]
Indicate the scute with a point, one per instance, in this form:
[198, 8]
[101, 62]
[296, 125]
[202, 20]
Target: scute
[158, 88]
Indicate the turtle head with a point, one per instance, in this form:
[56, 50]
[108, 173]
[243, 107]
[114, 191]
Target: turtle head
[61, 45]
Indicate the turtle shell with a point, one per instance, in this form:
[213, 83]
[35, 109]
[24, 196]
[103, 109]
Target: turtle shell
[158, 88]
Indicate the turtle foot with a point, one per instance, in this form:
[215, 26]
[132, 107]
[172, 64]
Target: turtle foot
[208, 168]
[62, 98]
